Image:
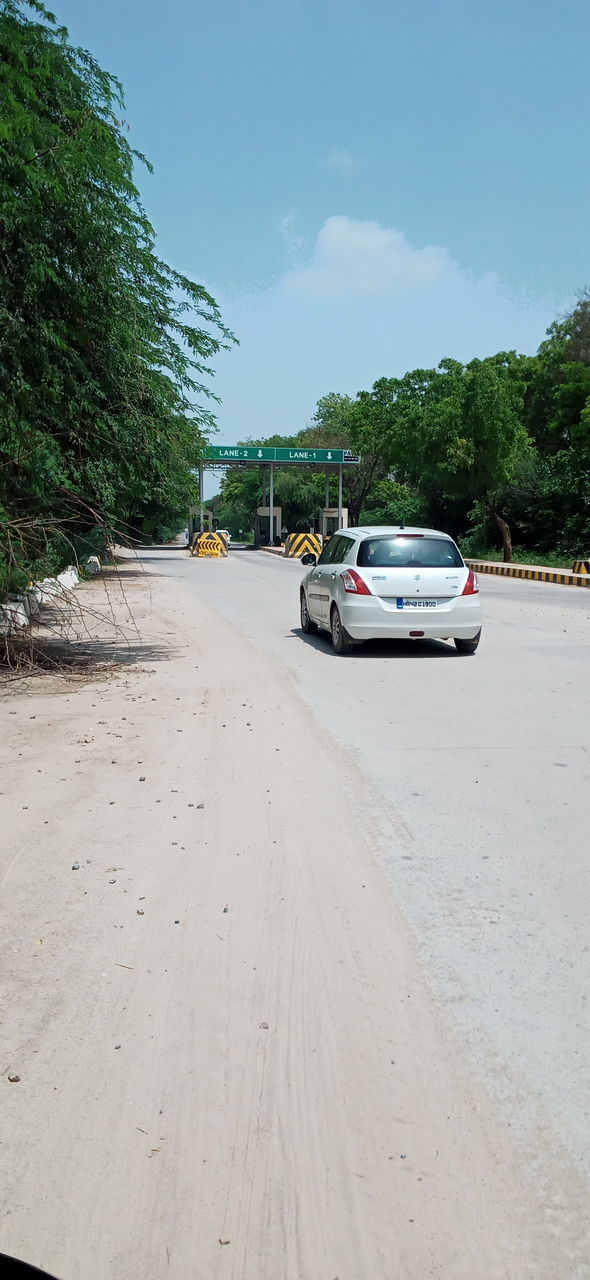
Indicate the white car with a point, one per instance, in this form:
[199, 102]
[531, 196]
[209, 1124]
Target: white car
[391, 583]
[225, 534]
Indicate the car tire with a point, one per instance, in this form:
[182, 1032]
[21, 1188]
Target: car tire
[468, 646]
[341, 641]
[307, 626]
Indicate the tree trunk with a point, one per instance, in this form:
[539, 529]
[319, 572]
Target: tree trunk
[506, 535]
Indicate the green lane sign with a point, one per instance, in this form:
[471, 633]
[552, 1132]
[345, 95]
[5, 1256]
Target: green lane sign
[237, 453]
[229, 454]
[310, 455]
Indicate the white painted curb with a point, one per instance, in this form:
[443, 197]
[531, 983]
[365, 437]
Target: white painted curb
[19, 610]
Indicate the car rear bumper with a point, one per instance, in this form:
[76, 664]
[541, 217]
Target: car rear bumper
[370, 619]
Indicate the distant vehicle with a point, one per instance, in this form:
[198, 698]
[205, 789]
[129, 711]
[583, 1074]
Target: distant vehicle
[391, 583]
[225, 534]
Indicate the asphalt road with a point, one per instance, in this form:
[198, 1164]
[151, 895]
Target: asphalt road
[480, 771]
[294, 960]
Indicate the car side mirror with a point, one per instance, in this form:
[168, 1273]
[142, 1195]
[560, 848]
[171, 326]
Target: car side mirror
[309, 559]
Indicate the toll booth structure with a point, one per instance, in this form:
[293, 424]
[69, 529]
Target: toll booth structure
[331, 519]
[263, 537]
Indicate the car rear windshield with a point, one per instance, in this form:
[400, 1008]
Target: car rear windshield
[406, 551]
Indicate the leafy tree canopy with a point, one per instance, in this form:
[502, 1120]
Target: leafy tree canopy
[104, 349]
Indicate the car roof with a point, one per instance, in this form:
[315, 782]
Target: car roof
[385, 530]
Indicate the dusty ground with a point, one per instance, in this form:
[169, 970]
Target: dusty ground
[230, 1061]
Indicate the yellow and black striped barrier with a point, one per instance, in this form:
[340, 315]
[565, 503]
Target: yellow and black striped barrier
[209, 544]
[564, 577]
[581, 566]
[301, 544]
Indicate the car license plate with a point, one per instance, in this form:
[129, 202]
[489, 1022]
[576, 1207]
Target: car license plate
[415, 602]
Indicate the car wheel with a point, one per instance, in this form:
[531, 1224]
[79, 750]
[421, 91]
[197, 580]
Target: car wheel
[307, 626]
[341, 641]
[467, 646]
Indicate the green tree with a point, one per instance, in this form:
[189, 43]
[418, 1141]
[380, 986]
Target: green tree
[339, 423]
[557, 417]
[389, 502]
[104, 349]
[456, 431]
[495, 438]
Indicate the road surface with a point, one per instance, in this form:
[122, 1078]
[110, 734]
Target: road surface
[333, 1024]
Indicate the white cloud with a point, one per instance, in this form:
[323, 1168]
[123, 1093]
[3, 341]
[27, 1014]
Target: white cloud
[342, 161]
[367, 305]
[294, 243]
[364, 258]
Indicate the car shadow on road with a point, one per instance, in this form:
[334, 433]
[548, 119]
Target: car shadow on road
[381, 648]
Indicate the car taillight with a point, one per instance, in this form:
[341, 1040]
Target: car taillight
[352, 581]
[471, 587]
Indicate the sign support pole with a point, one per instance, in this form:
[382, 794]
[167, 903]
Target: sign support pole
[340, 496]
[201, 514]
[271, 504]
[327, 499]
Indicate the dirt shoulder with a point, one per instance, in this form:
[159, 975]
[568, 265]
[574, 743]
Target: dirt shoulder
[230, 1063]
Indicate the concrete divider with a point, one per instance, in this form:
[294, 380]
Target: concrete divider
[301, 544]
[20, 611]
[533, 573]
[209, 544]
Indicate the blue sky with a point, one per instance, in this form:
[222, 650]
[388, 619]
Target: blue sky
[365, 186]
